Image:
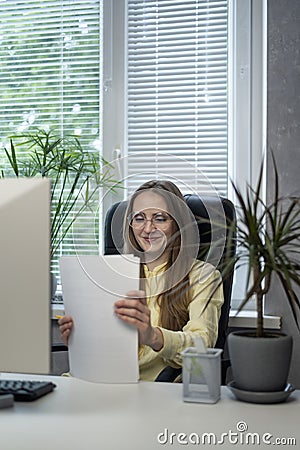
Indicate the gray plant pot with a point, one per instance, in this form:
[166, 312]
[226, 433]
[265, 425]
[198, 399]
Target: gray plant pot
[260, 364]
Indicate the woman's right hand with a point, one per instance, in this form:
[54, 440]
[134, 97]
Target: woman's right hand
[65, 326]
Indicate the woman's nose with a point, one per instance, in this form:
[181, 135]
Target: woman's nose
[148, 225]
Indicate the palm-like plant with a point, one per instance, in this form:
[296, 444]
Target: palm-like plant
[76, 175]
[268, 242]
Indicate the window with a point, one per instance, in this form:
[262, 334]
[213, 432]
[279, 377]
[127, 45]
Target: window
[177, 92]
[161, 96]
[51, 70]
[50, 65]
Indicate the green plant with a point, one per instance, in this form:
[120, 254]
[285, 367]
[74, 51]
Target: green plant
[76, 175]
[268, 242]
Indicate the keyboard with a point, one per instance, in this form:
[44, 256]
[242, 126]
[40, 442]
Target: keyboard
[24, 390]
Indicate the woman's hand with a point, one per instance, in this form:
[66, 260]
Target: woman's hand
[65, 326]
[134, 310]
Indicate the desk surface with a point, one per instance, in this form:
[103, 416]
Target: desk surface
[80, 415]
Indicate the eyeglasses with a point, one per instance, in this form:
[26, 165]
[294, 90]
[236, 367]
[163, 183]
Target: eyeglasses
[159, 220]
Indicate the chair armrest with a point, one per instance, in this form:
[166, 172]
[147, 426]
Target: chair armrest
[169, 374]
[59, 347]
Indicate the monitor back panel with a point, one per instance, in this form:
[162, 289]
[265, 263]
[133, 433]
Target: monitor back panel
[24, 275]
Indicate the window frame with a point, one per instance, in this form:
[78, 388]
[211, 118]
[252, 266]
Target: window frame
[248, 63]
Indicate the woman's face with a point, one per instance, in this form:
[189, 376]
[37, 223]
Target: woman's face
[151, 224]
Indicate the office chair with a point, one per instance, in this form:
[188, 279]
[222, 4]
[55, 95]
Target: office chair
[203, 208]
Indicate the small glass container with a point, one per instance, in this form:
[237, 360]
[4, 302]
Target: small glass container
[201, 375]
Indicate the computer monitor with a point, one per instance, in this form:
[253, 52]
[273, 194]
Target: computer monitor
[25, 275]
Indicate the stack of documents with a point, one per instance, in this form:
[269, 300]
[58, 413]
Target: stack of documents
[102, 348]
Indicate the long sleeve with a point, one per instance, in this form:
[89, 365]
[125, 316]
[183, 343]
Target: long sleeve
[204, 313]
[206, 293]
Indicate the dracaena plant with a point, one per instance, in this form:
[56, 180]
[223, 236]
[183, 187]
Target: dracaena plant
[268, 243]
[76, 175]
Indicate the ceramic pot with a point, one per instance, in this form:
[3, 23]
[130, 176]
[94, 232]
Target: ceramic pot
[260, 364]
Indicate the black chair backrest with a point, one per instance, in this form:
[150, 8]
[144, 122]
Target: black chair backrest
[203, 208]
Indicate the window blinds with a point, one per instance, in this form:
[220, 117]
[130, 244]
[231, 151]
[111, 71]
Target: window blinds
[50, 76]
[50, 66]
[177, 93]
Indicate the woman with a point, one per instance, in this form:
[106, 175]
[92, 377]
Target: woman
[180, 297]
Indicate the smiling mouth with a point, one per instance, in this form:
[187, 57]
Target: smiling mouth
[151, 240]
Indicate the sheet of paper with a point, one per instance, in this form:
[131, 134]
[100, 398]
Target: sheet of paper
[102, 348]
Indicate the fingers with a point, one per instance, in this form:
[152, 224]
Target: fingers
[134, 313]
[65, 326]
[138, 295]
[64, 319]
[133, 299]
[134, 310]
[130, 304]
[66, 322]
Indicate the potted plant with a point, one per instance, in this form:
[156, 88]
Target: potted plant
[268, 243]
[76, 175]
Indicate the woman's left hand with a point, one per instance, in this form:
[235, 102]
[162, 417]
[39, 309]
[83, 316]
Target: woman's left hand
[134, 310]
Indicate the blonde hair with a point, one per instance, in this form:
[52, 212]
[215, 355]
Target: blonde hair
[182, 251]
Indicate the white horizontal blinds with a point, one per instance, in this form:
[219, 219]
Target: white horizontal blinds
[50, 66]
[50, 73]
[177, 92]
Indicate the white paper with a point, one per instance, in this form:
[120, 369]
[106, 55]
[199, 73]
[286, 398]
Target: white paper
[102, 348]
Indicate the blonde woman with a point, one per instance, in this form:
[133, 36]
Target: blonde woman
[179, 297]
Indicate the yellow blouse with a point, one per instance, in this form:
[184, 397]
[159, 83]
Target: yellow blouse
[204, 278]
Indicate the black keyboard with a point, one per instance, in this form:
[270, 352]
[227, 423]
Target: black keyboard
[26, 391]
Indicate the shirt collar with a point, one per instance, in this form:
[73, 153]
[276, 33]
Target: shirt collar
[158, 269]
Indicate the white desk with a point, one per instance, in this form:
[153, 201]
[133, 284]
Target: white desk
[79, 415]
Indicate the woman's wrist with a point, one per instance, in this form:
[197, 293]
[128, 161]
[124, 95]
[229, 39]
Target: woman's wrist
[157, 340]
